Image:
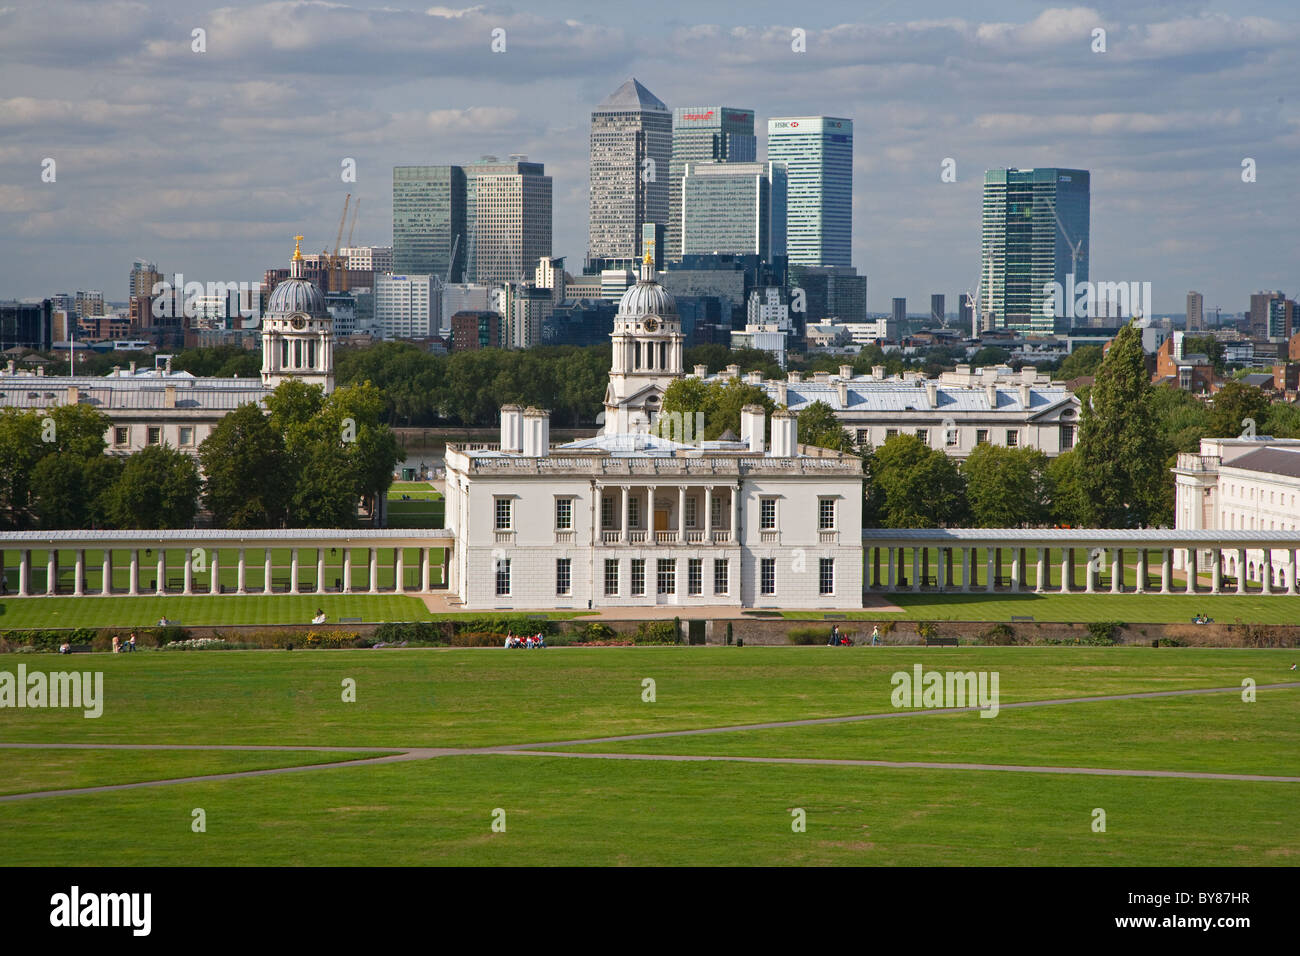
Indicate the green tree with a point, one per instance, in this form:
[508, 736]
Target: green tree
[1007, 487]
[720, 402]
[247, 483]
[1282, 421]
[1232, 406]
[916, 486]
[1121, 454]
[819, 426]
[1208, 346]
[1068, 505]
[1082, 361]
[990, 355]
[158, 487]
[1182, 418]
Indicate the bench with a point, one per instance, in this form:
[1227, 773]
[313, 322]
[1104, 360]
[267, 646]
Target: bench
[834, 617]
[1021, 618]
[930, 581]
[349, 620]
[1002, 581]
[941, 642]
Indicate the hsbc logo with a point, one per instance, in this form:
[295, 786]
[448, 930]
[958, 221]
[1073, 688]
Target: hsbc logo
[784, 125]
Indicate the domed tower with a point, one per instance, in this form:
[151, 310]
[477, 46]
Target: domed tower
[647, 340]
[297, 332]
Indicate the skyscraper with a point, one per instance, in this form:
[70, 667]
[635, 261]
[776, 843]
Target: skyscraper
[937, 314]
[1195, 312]
[1035, 231]
[507, 218]
[818, 155]
[429, 220]
[732, 208]
[703, 134]
[631, 151]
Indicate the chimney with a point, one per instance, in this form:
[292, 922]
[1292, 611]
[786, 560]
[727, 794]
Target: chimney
[963, 369]
[1028, 375]
[1024, 395]
[117, 370]
[733, 371]
[11, 366]
[755, 378]
[785, 433]
[843, 388]
[795, 377]
[73, 395]
[701, 371]
[512, 428]
[168, 368]
[821, 378]
[40, 370]
[169, 396]
[991, 392]
[846, 372]
[133, 366]
[932, 392]
[537, 432]
[877, 372]
[751, 427]
[781, 393]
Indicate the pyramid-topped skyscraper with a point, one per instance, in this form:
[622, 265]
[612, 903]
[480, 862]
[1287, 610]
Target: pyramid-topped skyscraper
[631, 147]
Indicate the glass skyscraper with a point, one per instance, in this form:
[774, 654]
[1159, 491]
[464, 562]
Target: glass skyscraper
[702, 134]
[735, 208]
[507, 219]
[1035, 232]
[428, 216]
[818, 155]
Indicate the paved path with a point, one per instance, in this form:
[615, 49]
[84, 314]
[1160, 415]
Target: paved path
[404, 754]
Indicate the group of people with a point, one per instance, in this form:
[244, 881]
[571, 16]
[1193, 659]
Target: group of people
[119, 646]
[1202, 618]
[842, 640]
[529, 641]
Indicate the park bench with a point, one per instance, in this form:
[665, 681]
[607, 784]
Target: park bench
[833, 617]
[941, 642]
[930, 581]
[349, 620]
[1002, 581]
[1021, 618]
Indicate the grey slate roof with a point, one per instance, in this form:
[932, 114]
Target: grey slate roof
[1273, 461]
[632, 96]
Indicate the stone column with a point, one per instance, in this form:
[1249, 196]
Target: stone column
[243, 571]
[51, 579]
[107, 573]
[25, 572]
[347, 570]
[1067, 571]
[214, 572]
[1241, 571]
[989, 570]
[965, 569]
[681, 515]
[1190, 567]
[374, 570]
[1016, 554]
[78, 572]
[188, 587]
[399, 570]
[1216, 571]
[1290, 571]
[133, 586]
[1090, 576]
[626, 526]
[940, 577]
[890, 582]
[708, 514]
[293, 571]
[1040, 584]
[426, 561]
[162, 570]
[1166, 570]
[1266, 571]
[320, 570]
[1142, 571]
[266, 570]
[1117, 571]
[916, 569]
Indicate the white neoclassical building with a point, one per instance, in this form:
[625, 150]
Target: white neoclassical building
[633, 519]
[159, 406]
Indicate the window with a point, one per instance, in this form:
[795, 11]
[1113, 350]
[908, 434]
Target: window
[826, 575]
[666, 578]
[1067, 437]
[767, 514]
[607, 513]
[154, 435]
[923, 434]
[690, 512]
[633, 512]
[563, 575]
[981, 436]
[950, 435]
[864, 437]
[826, 514]
[769, 575]
[720, 575]
[119, 435]
[1013, 438]
[187, 435]
[563, 514]
[716, 510]
[503, 575]
[695, 576]
[611, 575]
[503, 514]
[890, 433]
[638, 575]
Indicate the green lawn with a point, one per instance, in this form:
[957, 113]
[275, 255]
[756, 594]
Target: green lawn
[208, 611]
[590, 811]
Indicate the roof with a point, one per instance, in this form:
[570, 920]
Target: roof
[1258, 379]
[632, 96]
[109, 393]
[1081, 537]
[1273, 461]
[643, 445]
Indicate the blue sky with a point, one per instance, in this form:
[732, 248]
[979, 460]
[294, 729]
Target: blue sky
[208, 163]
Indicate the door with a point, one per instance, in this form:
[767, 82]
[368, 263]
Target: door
[661, 520]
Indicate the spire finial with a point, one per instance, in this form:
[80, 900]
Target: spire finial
[297, 248]
[648, 260]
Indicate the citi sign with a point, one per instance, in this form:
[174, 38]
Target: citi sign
[698, 116]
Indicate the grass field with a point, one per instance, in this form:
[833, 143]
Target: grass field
[568, 809]
[210, 610]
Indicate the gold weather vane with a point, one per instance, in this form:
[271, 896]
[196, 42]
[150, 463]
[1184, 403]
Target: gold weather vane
[297, 251]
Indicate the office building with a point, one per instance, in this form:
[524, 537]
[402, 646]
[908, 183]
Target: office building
[549, 274]
[507, 219]
[1195, 312]
[1271, 316]
[631, 152]
[704, 134]
[429, 221]
[1035, 232]
[818, 155]
[144, 276]
[28, 325]
[407, 306]
[831, 292]
[89, 303]
[368, 258]
[474, 329]
[737, 208]
[937, 314]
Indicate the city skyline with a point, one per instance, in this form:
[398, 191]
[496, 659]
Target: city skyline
[1170, 204]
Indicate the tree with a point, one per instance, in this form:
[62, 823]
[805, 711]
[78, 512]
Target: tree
[1007, 487]
[1183, 419]
[1082, 361]
[916, 486]
[1208, 346]
[1068, 506]
[158, 488]
[247, 482]
[720, 402]
[990, 355]
[1234, 405]
[1282, 421]
[819, 426]
[1121, 454]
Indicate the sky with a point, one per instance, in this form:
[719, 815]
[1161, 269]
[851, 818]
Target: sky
[208, 163]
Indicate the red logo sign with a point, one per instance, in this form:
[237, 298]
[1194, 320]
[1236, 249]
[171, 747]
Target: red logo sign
[697, 116]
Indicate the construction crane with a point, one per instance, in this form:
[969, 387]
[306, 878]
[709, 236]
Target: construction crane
[336, 278]
[451, 263]
[356, 208]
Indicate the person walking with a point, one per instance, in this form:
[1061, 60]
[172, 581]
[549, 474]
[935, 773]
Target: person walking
[116, 644]
[130, 645]
[835, 636]
[875, 635]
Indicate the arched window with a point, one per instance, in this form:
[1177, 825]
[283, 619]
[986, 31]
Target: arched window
[297, 353]
[636, 362]
[284, 353]
[311, 353]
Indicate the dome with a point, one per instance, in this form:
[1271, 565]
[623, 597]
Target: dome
[296, 295]
[647, 297]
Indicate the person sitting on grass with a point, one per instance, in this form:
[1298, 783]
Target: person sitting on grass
[66, 648]
[320, 616]
[541, 641]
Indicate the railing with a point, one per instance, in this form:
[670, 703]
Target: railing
[636, 537]
[611, 537]
[769, 537]
[1189, 461]
[505, 537]
[665, 537]
[828, 537]
[694, 537]
[722, 536]
[564, 537]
